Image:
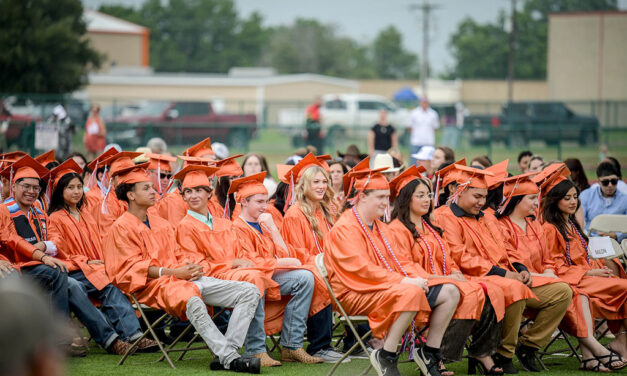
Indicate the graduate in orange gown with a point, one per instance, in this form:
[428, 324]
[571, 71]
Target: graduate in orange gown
[600, 283]
[263, 244]
[305, 225]
[141, 257]
[210, 241]
[478, 248]
[75, 234]
[415, 234]
[371, 277]
[6, 160]
[97, 179]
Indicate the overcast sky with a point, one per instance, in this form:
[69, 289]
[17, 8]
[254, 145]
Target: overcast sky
[363, 20]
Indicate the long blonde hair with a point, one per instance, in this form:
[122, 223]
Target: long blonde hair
[303, 192]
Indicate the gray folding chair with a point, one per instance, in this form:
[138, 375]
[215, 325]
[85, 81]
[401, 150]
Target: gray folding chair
[349, 320]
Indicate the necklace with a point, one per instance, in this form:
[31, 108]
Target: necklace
[583, 244]
[431, 261]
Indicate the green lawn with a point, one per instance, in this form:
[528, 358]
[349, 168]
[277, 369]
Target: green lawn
[98, 363]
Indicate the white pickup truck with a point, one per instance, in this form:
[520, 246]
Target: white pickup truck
[350, 115]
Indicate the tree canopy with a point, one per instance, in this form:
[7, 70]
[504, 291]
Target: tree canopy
[481, 50]
[43, 46]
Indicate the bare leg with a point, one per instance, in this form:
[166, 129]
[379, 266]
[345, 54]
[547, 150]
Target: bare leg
[441, 314]
[590, 347]
[394, 335]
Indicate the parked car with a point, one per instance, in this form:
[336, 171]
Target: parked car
[521, 122]
[182, 122]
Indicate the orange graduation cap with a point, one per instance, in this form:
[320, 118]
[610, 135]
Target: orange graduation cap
[323, 161]
[201, 149]
[160, 162]
[406, 177]
[282, 170]
[9, 158]
[46, 157]
[228, 167]
[248, 186]
[133, 174]
[469, 177]
[364, 164]
[296, 172]
[96, 163]
[120, 161]
[444, 177]
[67, 167]
[559, 175]
[195, 176]
[197, 161]
[518, 185]
[25, 167]
[500, 174]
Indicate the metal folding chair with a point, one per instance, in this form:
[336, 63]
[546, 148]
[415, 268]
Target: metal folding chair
[349, 320]
[611, 223]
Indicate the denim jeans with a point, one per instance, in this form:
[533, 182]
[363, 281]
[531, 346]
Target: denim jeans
[320, 330]
[115, 307]
[54, 282]
[87, 313]
[242, 296]
[300, 285]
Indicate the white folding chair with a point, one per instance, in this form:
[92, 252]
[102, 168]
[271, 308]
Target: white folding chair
[611, 223]
[350, 320]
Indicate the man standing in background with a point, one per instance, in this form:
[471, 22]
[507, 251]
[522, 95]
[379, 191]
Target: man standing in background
[423, 123]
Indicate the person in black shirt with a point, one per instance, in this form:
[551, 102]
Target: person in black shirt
[382, 136]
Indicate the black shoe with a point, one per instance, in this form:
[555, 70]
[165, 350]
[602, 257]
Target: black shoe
[246, 364]
[216, 365]
[428, 362]
[505, 363]
[527, 357]
[475, 365]
[385, 366]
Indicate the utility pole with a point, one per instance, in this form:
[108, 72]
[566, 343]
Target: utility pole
[510, 55]
[426, 9]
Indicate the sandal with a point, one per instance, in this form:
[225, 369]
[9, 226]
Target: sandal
[443, 371]
[596, 368]
[613, 357]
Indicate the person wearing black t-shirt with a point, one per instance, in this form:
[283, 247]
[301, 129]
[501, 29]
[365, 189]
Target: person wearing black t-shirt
[382, 136]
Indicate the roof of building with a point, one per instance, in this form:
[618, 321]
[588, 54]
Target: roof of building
[103, 23]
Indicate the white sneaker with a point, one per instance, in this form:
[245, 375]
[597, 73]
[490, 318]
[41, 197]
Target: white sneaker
[330, 356]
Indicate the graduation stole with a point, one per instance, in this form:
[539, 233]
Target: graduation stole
[431, 259]
[23, 226]
[482, 246]
[583, 244]
[511, 226]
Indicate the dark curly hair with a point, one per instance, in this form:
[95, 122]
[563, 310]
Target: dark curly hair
[402, 203]
[56, 200]
[553, 215]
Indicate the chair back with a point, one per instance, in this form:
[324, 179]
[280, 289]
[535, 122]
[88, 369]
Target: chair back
[609, 223]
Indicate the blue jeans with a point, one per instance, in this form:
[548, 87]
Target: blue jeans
[300, 285]
[320, 330]
[94, 320]
[54, 282]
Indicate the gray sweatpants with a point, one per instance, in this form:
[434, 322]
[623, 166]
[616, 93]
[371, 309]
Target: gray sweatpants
[243, 297]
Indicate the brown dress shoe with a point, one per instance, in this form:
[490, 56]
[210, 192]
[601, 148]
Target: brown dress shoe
[120, 347]
[266, 360]
[299, 355]
[147, 345]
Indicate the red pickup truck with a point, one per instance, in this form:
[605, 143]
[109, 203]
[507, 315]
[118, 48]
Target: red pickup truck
[182, 123]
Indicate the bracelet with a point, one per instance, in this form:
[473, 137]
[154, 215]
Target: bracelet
[41, 259]
[160, 270]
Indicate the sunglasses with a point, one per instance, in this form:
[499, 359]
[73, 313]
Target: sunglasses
[607, 182]
[166, 176]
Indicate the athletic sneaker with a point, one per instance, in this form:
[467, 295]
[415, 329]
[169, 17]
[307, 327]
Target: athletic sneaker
[330, 356]
[427, 362]
[385, 366]
[359, 353]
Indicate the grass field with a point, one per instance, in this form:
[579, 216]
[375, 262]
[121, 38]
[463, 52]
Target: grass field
[98, 363]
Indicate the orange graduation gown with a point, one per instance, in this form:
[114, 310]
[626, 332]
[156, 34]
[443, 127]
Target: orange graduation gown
[78, 241]
[362, 281]
[93, 201]
[215, 249]
[113, 209]
[607, 295]
[130, 248]
[297, 231]
[472, 295]
[529, 248]
[172, 208]
[277, 217]
[13, 247]
[261, 249]
[477, 246]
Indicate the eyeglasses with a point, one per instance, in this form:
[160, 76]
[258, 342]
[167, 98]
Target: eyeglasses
[606, 182]
[28, 188]
[422, 196]
[165, 176]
